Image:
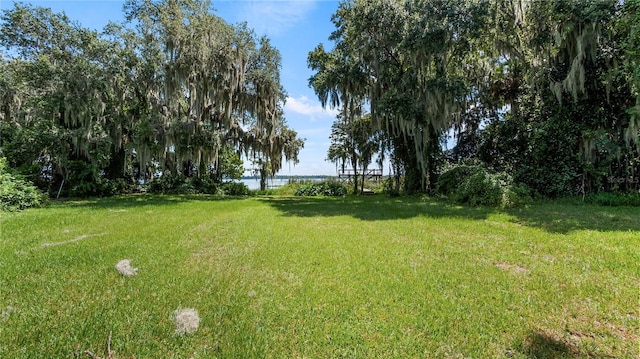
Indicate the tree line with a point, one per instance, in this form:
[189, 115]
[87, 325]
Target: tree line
[545, 92]
[172, 92]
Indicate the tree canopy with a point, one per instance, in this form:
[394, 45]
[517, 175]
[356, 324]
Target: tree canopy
[163, 94]
[545, 90]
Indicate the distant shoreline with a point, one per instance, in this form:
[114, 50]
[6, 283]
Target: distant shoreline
[284, 177]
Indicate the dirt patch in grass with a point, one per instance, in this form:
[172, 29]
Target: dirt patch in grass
[514, 268]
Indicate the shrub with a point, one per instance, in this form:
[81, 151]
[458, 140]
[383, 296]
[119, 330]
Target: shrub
[451, 179]
[479, 189]
[233, 189]
[183, 185]
[16, 193]
[390, 187]
[85, 180]
[175, 185]
[325, 188]
[516, 195]
[476, 186]
[170, 184]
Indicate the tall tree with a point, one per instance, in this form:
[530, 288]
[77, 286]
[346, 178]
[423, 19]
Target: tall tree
[164, 93]
[409, 54]
[68, 82]
[355, 142]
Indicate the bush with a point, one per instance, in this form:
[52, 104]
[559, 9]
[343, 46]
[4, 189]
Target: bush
[479, 189]
[451, 179]
[390, 187]
[476, 186]
[325, 188]
[516, 195]
[203, 185]
[170, 184]
[183, 185]
[16, 193]
[85, 180]
[233, 189]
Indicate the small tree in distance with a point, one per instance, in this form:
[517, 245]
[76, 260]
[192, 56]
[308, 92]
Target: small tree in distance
[355, 142]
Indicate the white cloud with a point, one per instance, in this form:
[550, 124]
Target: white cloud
[275, 17]
[315, 132]
[305, 106]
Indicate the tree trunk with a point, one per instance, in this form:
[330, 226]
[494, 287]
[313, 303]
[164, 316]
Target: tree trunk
[170, 164]
[364, 170]
[263, 178]
[354, 164]
[116, 168]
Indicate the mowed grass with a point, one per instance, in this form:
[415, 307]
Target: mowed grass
[355, 277]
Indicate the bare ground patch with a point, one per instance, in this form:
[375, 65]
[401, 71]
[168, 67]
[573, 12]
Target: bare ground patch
[514, 268]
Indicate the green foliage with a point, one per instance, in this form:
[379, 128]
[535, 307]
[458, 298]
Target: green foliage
[233, 189]
[324, 188]
[179, 184]
[391, 187]
[403, 58]
[269, 148]
[516, 195]
[148, 93]
[169, 184]
[479, 189]
[230, 164]
[354, 142]
[16, 193]
[474, 185]
[450, 180]
[84, 180]
[554, 83]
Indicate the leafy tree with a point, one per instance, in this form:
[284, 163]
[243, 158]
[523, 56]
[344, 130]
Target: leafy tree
[61, 79]
[165, 93]
[355, 142]
[553, 82]
[229, 164]
[404, 57]
[569, 129]
[267, 152]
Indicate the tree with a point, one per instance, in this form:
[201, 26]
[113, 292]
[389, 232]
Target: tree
[404, 58]
[355, 141]
[229, 165]
[269, 139]
[558, 76]
[564, 65]
[167, 92]
[63, 81]
[267, 152]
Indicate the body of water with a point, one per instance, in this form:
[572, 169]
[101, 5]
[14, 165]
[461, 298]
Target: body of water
[254, 183]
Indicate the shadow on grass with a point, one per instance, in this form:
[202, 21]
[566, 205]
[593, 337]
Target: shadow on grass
[373, 208]
[565, 218]
[540, 345]
[550, 217]
[137, 200]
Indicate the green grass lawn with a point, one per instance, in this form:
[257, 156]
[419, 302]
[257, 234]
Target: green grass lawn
[355, 277]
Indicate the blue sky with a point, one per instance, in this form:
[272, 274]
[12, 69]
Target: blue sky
[295, 27]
